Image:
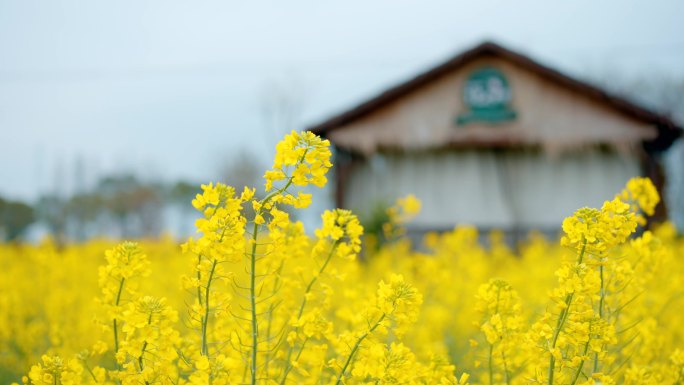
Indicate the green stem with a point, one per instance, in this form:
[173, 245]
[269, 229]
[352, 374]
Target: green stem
[603, 296]
[581, 365]
[205, 319]
[299, 354]
[199, 278]
[85, 363]
[561, 321]
[491, 346]
[315, 278]
[271, 309]
[288, 366]
[116, 304]
[356, 347]
[506, 374]
[142, 351]
[252, 276]
[491, 369]
[252, 293]
[140, 357]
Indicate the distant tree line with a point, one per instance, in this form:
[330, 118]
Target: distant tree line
[15, 217]
[118, 206]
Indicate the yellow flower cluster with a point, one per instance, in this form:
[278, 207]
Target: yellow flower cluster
[306, 155]
[343, 229]
[400, 301]
[147, 353]
[53, 370]
[117, 280]
[642, 194]
[261, 302]
[599, 230]
[578, 332]
[403, 211]
[223, 225]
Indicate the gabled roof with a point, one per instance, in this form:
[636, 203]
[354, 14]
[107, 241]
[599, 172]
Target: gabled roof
[668, 131]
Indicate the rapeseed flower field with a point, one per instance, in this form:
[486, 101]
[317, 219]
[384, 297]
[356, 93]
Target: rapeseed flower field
[253, 299]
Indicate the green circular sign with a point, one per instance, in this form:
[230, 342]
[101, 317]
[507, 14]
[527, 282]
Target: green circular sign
[486, 95]
[486, 88]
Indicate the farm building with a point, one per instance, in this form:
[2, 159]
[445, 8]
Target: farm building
[494, 139]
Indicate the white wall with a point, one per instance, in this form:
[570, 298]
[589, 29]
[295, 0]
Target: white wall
[527, 189]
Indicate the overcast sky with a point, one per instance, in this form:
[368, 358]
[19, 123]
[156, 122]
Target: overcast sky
[173, 88]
